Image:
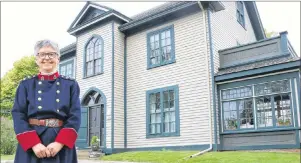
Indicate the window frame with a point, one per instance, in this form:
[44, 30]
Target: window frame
[241, 13]
[93, 65]
[65, 63]
[175, 88]
[172, 44]
[293, 93]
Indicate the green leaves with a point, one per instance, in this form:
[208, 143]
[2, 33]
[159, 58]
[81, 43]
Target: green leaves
[26, 66]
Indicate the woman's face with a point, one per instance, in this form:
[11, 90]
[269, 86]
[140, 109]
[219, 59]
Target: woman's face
[47, 59]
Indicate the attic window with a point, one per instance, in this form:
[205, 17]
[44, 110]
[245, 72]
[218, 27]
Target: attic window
[240, 13]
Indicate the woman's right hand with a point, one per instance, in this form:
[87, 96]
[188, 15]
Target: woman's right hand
[41, 151]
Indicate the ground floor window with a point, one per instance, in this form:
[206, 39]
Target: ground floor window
[162, 111]
[263, 105]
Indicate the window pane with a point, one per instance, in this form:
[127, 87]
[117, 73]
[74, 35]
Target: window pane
[246, 113]
[282, 110]
[272, 87]
[264, 111]
[167, 34]
[89, 68]
[63, 70]
[241, 92]
[163, 35]
[230, 115]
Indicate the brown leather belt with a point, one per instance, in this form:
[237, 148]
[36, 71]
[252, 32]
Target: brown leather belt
[46, 122]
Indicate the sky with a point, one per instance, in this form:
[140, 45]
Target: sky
[23, 23]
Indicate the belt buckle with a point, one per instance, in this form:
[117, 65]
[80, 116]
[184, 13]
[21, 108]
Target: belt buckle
[52, 122]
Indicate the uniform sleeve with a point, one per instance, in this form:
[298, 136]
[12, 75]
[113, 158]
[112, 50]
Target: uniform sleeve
[68, 134]
[26, 136]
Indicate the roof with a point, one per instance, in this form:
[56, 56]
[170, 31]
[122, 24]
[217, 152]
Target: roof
[257, 65]
[68, 48]
[156, 9]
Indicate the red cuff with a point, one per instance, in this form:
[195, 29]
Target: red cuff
[67, 136]
[28, 139]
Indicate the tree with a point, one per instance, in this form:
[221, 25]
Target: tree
[270, 34]
[24, 67]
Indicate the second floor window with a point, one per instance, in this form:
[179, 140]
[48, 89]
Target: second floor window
[160, 48]
[94, 57]
[240, 13]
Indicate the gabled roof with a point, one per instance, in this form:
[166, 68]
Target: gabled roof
[92, 13]
[163, 10]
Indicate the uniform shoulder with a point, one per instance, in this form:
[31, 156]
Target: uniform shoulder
[67, 78]
[27, 78]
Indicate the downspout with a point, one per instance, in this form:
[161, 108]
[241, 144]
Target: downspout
[207, 70]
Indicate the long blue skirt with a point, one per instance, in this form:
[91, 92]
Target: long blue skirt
[47, 136]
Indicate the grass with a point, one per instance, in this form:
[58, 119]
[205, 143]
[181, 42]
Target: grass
[7, 157]
[212, 157]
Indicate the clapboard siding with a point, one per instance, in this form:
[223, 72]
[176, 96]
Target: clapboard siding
[119, 87]
[226, 32]
[104, 81]
[189, 73]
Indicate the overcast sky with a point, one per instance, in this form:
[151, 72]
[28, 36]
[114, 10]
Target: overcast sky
[23, 23]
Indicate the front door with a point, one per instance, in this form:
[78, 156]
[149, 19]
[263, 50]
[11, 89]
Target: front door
[94, 122]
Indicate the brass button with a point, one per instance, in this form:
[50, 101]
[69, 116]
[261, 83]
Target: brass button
[40, 82]
[58, 91]
[39, 107]
[39, 98]
[57, 100]
[39, 92]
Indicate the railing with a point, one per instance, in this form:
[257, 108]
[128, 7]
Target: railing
[256, 51]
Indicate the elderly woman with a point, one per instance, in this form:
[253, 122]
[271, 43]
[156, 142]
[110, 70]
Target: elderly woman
[46, 112]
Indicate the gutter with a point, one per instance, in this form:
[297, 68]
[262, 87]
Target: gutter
[207, 70]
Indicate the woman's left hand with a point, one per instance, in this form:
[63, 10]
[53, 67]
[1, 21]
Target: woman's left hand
[54, 148]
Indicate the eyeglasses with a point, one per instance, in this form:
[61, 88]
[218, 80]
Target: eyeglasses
[50, 55]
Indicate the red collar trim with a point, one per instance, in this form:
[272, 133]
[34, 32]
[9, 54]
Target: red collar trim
[48, 77]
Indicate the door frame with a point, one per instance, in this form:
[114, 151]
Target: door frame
[91, 89]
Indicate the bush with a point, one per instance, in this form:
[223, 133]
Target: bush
[8, 137]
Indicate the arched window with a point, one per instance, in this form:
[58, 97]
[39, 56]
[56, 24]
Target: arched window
[94, 56]
[93, 98]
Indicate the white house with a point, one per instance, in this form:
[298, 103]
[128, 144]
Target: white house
[183, 75]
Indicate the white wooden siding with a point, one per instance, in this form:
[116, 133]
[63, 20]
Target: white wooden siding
[104, 81]
[118, 87]
[188, 72]
[226, 32]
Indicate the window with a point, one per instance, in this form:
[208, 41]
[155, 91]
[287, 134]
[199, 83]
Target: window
[160, 47]
[273, 104]
[162, 112]
[238, 108]
[66, 68]
[93, 57]
[270, 102]
[240, 13]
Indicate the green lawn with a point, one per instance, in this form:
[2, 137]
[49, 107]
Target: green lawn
[212, 157]
[7, 157]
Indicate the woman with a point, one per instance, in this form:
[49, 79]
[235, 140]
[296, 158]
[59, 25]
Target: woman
[46, 112]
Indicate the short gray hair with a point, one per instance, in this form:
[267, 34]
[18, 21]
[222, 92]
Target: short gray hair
[44, 43]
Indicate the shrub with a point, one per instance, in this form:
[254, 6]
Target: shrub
[8, 137]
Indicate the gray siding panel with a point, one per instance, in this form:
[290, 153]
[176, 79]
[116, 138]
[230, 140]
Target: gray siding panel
[256, 139]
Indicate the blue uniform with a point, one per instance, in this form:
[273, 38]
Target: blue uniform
[43, 97]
